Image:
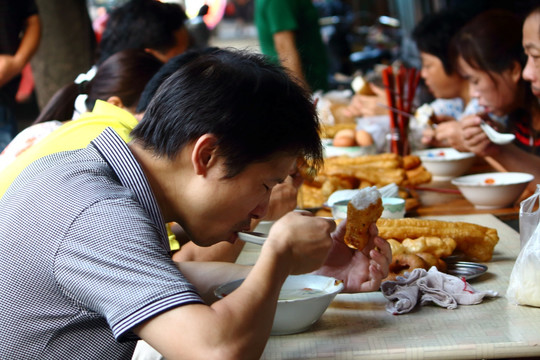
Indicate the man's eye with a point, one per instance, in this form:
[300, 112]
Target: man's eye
[266, 187]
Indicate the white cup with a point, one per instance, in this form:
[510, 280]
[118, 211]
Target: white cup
[394, 208]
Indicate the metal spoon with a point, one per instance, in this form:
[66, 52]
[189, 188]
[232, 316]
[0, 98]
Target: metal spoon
[497, 137]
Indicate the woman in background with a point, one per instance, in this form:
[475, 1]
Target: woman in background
[491, 57]
[119, 81]
[433, 37]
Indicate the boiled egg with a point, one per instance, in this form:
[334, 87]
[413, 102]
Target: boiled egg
[344, 137]
[363, 138]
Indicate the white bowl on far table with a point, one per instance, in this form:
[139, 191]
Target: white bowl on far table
[302, 301]
[493, 190]
[446, 163]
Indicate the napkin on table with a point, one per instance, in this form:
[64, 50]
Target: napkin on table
[430, 286]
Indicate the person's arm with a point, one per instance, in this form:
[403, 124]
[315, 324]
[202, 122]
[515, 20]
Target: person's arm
[285, 45]
[238, 326]
[367, 105]
[189, 251]
[223, 251]
[12, 65]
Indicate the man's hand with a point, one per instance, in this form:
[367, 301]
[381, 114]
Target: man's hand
[361, 270]
[301, 240]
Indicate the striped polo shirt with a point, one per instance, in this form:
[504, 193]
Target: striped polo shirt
[85, 256]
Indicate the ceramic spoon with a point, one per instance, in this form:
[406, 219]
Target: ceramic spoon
[252, 237]
[497, 137]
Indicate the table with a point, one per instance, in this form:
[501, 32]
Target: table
[357, 326]
[434, 203]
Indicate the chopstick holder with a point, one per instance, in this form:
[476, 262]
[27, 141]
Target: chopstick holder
[403, 86]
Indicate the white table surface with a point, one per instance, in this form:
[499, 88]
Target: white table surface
[357, 326]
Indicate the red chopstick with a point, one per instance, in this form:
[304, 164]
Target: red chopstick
[400, 82]
[388, 80]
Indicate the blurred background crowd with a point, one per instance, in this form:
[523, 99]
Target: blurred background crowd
[356, 35]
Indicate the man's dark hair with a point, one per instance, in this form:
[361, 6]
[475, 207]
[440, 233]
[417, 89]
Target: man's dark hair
[434, 33]
[141, 24]
[251, 105]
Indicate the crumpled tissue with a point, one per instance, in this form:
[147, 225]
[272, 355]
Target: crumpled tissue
[433, 286]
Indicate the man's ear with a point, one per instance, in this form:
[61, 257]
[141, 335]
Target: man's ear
[203, 155]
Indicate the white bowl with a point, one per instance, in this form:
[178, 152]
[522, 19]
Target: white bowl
[446, 163]
[302, 301]
[493, 190]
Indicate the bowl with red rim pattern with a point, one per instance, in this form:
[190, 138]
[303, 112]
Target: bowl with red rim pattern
[446, 163]
[493, 190]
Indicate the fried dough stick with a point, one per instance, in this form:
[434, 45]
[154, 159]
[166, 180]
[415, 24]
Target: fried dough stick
[475, 241]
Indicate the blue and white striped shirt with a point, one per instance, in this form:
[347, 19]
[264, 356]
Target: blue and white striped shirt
[86, 256]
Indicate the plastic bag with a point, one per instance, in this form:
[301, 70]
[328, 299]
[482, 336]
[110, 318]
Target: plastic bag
[529, 218]
[524, 285]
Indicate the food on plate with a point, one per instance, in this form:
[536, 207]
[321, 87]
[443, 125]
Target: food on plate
[418, 175]
[430, 241]
[411, 162]
[432, 253]
[396, 247]
[363, 138]
[328, 131]
[425, 115]
[439, 247]
[362, 210]
[344, 172]
[339, 113]
[489, 181]
[432, 260]
[345, 137]
[404, 262]
[474, 241]
[361, 86]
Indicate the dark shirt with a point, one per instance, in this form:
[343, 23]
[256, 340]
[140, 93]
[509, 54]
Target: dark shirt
[13, 14]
